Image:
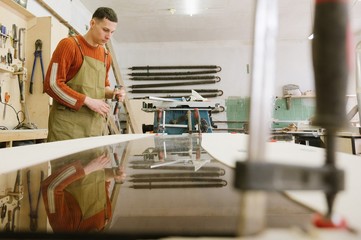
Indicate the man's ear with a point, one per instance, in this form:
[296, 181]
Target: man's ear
[92, 23]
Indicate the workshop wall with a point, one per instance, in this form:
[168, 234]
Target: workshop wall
[8, 81]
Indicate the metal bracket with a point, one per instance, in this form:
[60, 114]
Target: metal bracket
[279, 177]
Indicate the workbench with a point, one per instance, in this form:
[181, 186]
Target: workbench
[163, 194]
[8, 137]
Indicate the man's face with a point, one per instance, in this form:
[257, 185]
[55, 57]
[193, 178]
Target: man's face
[102, 30]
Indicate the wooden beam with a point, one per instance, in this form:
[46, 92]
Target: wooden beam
[130, 116]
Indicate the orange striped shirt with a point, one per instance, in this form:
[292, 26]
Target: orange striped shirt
[64, 64]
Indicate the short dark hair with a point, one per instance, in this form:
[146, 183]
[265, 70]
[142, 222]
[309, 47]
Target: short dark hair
[105, 12]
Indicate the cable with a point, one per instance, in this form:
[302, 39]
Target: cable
[16, 113]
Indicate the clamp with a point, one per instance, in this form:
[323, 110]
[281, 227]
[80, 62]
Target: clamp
[37, 54]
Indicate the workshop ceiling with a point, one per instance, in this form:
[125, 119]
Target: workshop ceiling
[214, 20]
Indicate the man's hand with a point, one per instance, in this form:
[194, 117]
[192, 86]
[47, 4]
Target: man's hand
[119, 94]
[97, 105]
[97, 164]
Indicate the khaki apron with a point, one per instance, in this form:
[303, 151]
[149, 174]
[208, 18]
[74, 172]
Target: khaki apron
[90, 193]
[66, 123]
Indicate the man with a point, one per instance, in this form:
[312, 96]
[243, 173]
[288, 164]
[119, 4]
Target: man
[77, 195]
[77, 79]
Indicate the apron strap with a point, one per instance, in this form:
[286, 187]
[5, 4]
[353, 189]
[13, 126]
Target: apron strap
[105, 56]
[77, 43]
[106, 53]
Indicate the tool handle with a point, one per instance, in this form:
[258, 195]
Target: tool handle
[31, 87]
[116, 108]
[331, 61]
[7, 97]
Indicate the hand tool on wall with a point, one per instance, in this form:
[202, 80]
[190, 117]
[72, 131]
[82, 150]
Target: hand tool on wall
[15, 40]
[21, 44]
[4, 36]
[21, 73]
[6, 101]
[33, 212]
[37, 54]
[9, 58]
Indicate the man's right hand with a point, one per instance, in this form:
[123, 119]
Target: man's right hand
[97, 105]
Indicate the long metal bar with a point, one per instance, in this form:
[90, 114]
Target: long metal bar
[181, 96]
[172, 73]
[154, 85]
[207, 77]
[176, 91]
[174, 67]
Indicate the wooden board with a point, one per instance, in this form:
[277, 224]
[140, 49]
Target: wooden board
[15, 158]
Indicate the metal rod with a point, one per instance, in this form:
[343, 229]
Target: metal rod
[162, 186]
[174, 67]
[172, 73]
[177, 91]
[208, 77]
[141, 180]
[182, 96]
[173, 84]
[176, 175]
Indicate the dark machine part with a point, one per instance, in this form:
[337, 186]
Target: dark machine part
[154, 85]
[281, 177]
[331, 64]
[174, 67]
[147, 128]
[173, 73]
[207, 77]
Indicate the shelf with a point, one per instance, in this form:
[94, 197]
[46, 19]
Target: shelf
[22, 135]
[6, 68]
[17, 7]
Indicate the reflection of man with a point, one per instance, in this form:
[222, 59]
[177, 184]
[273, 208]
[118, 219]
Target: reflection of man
[76, 197]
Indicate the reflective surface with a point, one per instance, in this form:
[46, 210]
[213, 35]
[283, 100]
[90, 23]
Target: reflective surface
[156, 186]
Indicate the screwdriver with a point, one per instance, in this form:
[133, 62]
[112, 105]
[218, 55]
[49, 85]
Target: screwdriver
[7, 98]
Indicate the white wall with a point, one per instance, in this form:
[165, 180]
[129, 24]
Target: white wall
[231, 56]
[294, 64]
